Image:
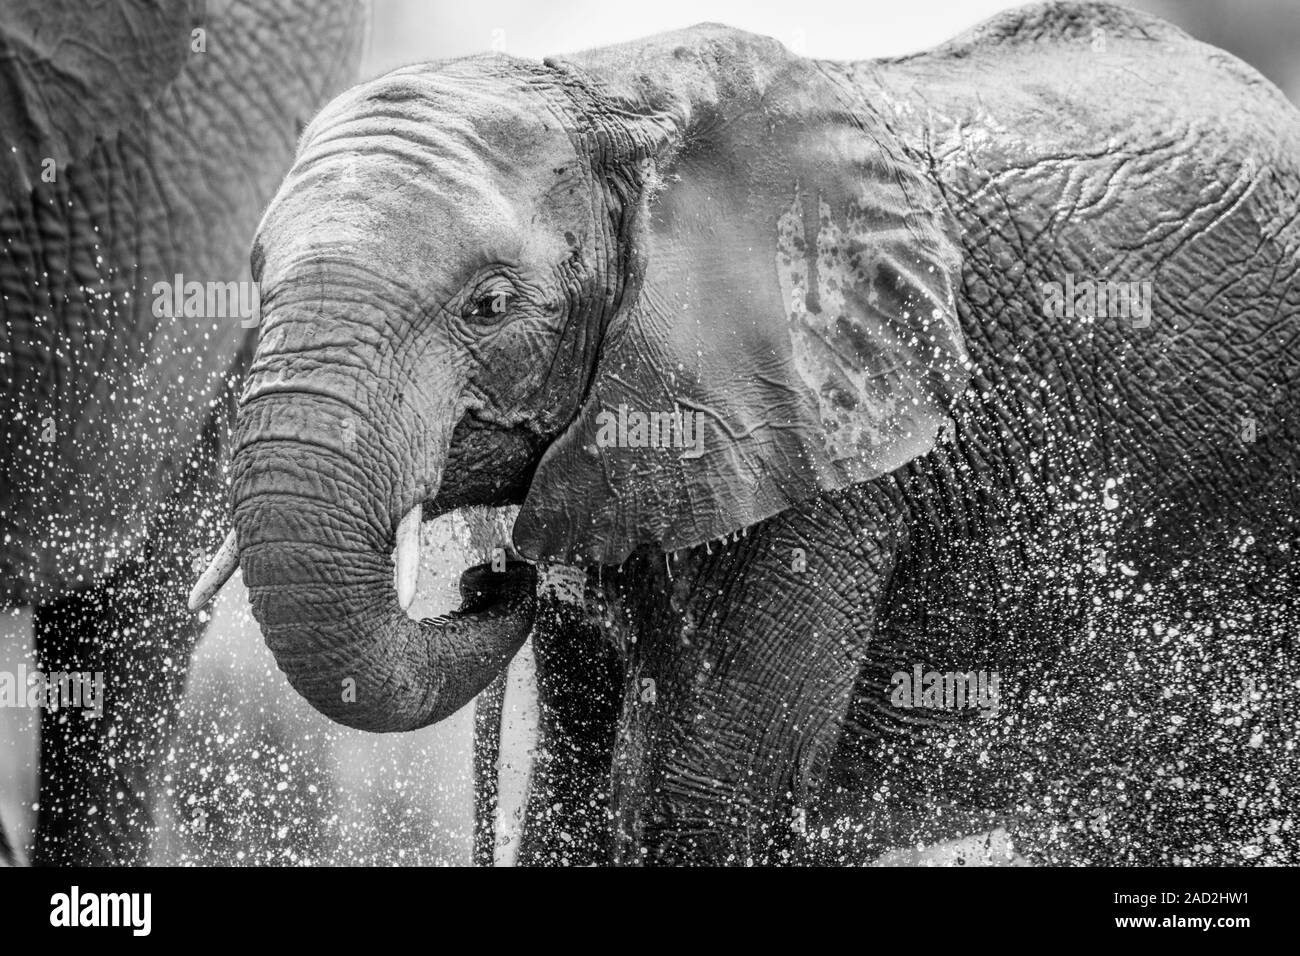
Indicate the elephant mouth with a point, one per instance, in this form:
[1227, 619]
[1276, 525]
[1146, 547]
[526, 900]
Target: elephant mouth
[488, 466]
[513, 453]
[486, 528]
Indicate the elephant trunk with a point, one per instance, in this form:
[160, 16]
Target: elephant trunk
[317, 497]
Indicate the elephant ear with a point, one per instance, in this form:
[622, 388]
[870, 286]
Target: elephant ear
[71, 73]
[791, 299]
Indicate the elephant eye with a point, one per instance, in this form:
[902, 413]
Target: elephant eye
[490, 307]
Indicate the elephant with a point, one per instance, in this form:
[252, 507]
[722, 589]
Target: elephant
[141, 142]
[903, 418]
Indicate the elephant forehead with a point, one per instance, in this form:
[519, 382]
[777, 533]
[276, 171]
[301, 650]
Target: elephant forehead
[416, 229]
[370, 193]
[495, 118]
[423, 162]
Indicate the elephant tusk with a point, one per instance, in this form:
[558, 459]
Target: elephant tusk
[408, 556]
[217, 574]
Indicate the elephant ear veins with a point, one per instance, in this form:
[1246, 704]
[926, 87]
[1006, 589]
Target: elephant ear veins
[859, 321]
[72, 73]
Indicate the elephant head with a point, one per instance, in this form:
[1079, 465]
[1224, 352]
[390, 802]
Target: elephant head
[656, 293]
